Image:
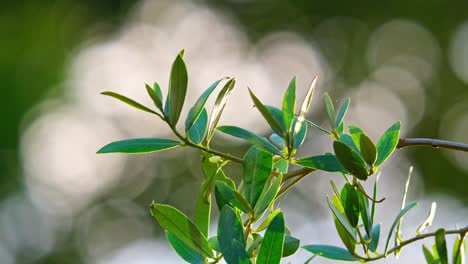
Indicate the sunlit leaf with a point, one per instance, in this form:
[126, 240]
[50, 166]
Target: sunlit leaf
[185, 252]
[387, 143]
[181, 227]
[330, 252]
[356, 133]
[429, 219]
[350, 202]
[441, 245]
[330, 110]
[177, 90]
[230, 197]
[298, 137]
[267, 220]
[257, 167]
[326, 162]
[348, 140]
[231, 237]
[339, 213]
[130, 102]
[271, 249]
[396, 221]
[275, 125]
[268, 194]
[368, 150]
[304, 108]
[203, 210]
[199, 105]
[139, 145]
[428, 255]
[197, 131]
[218, 107]
[341, 113]
[260, 142]
[289, 105]
[458, 253]
[351, 160]
[277, 141]
[365, 213]
[213, 242]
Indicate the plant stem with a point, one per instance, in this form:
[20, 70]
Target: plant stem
[298, 172]
[212, 151]
[462, 232]
[292, 183]
[435, 143]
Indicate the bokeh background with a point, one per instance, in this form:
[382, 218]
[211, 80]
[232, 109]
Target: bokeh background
[62, 203]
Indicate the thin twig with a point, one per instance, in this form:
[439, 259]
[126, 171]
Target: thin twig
[462, 232]
[430, 142]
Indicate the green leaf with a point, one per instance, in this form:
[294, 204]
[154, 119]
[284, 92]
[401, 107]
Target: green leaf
[350, 202]
[203, 210]
[326, 162]
[291, 245]
[318, 127]
[233, 198]
[330, 111]
[277, 115]
[186, 253]
[260, 142]
[155, 94]
[253, 242]
[349, 141]
[181, 227]
[257, 167]
[213, 242]
[230, 231]
[429, 219]
[428, 255]
[341, 113]
[365, 212]
[218, 107]
[298, 137]
[374, 243]
[458, 253]
[330, 252]
[356, 133]
[396, 221]
[271, 249]
[441, 245]
[177, 89]
[368, 150]
[139, 145]
[289, 105]
[199, 105]
[268, 194]
[387, 143]
[130, 102]
[339, 213]
[267, 114]
[267, 220]
[340, 128]
[281, 165]
[351, 160]
[197, 131]
[277, 141]
[304, 108]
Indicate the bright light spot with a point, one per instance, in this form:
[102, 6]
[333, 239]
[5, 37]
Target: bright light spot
[459, 52]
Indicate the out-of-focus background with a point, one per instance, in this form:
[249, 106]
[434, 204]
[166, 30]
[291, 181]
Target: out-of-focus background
[62, 203]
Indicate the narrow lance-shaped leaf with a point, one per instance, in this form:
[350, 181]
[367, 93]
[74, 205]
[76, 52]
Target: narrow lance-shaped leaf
[428, 255]
[395, 222]
[268, 194]
[181, 227]
[188, 254]
[271, 249]
[139, 145]
[289, 105]
[365, 212]
[257, 167]
[155, 96]
[375, 238]
[130, 102]
[277, 115]
[259, 142]
[368, 150]
[203, 210]
[429, 219]
[441, 245]
[296, 139]
[356, 133]
[339, 214]
[326, 162]
[197, 131]
[177, 90]
[350, 201]
[304, 108]
[330, 111]
[350, 160]
[342, 112]
[330, 252]
[267, 221]
[199, 105]
[387, 143]
[230, 230]
[267, 115]
[232, 198]
[459, 248]
[218, 107]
